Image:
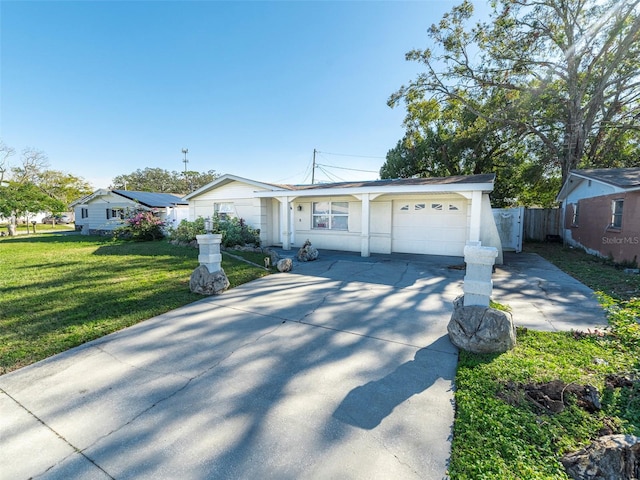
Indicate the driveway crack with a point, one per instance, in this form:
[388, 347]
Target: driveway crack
[57, 434]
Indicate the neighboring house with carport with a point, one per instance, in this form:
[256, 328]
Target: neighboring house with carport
[104, 210]
[602, 212]
[436, 216]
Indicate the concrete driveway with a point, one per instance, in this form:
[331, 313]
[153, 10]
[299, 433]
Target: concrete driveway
[340, 369]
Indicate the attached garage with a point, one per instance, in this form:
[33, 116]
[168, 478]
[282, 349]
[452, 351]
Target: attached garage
[433, 226]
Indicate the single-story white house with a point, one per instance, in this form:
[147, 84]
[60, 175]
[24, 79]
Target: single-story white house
[105, 210]
[435, 216]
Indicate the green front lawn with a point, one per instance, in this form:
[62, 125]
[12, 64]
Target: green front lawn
[502, 432]
[59, 291]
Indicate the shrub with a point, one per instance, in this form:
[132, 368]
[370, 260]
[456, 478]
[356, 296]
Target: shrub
[186, 231]
[142, 226]
[234, 231]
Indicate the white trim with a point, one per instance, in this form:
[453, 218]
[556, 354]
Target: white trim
[227, 178]
[384, 190]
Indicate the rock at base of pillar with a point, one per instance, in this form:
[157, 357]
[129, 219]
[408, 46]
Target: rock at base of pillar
[206, 283]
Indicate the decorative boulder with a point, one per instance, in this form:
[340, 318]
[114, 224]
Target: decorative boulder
[609, 457]
[273, 255]
[206, 283]
[481, 329]
[308, 252]
[284, 265]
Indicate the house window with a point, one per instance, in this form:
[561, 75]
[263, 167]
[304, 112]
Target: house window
[117, 213]
[84, 212]
[453, 207]
[405, 207]
[576, 214]
[331, 215]
[224, 211]
[419, 206]
[616, 217]
[436, 206]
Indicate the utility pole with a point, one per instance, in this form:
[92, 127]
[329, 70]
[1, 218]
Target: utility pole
[313, 169]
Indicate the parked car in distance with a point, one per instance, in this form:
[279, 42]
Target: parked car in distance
[63, 218]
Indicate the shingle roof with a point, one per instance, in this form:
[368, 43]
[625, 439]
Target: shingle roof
[152, 199]
[462, 179]
[620, 177]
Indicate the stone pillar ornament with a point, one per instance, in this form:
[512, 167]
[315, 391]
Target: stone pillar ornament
[210, 256]
[209, 278]
[478, 285]
[474, 326]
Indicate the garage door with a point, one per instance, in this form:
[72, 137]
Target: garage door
[433, 227]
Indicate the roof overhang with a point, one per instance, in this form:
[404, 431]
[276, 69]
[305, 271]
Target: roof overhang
[464, 189]
[576, 178]
[98, 193]
[228, 178]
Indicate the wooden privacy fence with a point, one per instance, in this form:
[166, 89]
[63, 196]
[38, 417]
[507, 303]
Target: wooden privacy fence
[541, 222]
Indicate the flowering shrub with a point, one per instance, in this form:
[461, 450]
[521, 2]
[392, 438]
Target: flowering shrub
[142, 226]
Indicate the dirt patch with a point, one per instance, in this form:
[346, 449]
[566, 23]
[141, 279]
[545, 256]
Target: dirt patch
[552, 397]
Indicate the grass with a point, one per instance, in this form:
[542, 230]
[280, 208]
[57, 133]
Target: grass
[597, 273]
[500, 434]
[40, 228]
[59, 291]
[254, 257]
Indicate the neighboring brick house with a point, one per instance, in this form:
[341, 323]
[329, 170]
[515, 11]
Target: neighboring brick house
[602, 212]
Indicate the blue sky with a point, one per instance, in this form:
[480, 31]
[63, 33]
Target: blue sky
[250, 88]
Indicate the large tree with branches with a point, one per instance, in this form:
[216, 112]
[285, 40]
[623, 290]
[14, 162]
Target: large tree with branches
[562, 76]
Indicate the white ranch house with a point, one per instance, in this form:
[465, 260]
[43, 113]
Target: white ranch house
[105, 210]
[435, 216]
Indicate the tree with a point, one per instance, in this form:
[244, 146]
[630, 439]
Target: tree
[63, 186]
[561, 76]
[163, 181]
[455, 141]
[34, 163]
[21, 198]
[5, 153]
[31, 187]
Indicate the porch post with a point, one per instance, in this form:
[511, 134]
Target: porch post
[365, 249]
[285, 231]
[476, 214]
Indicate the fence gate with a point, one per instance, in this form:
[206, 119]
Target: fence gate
[510, 226]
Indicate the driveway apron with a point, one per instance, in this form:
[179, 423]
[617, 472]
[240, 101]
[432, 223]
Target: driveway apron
[339, 369]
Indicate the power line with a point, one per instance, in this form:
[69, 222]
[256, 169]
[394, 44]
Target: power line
[347, 155]
[331, 176]
[345, 168]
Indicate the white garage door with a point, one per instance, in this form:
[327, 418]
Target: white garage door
[433, 227]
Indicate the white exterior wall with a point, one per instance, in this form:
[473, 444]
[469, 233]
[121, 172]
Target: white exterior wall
[489, 235]
[327, 239]
[380, 238]
[97, 220]
[254, 211]
[584, 190]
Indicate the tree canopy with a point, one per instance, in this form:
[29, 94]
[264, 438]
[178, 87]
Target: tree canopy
[31, 187]
[163, 181]
[544, 87]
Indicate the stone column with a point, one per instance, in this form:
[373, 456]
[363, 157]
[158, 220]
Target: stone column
[209, 278]
[478, 285]
[210, 256]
